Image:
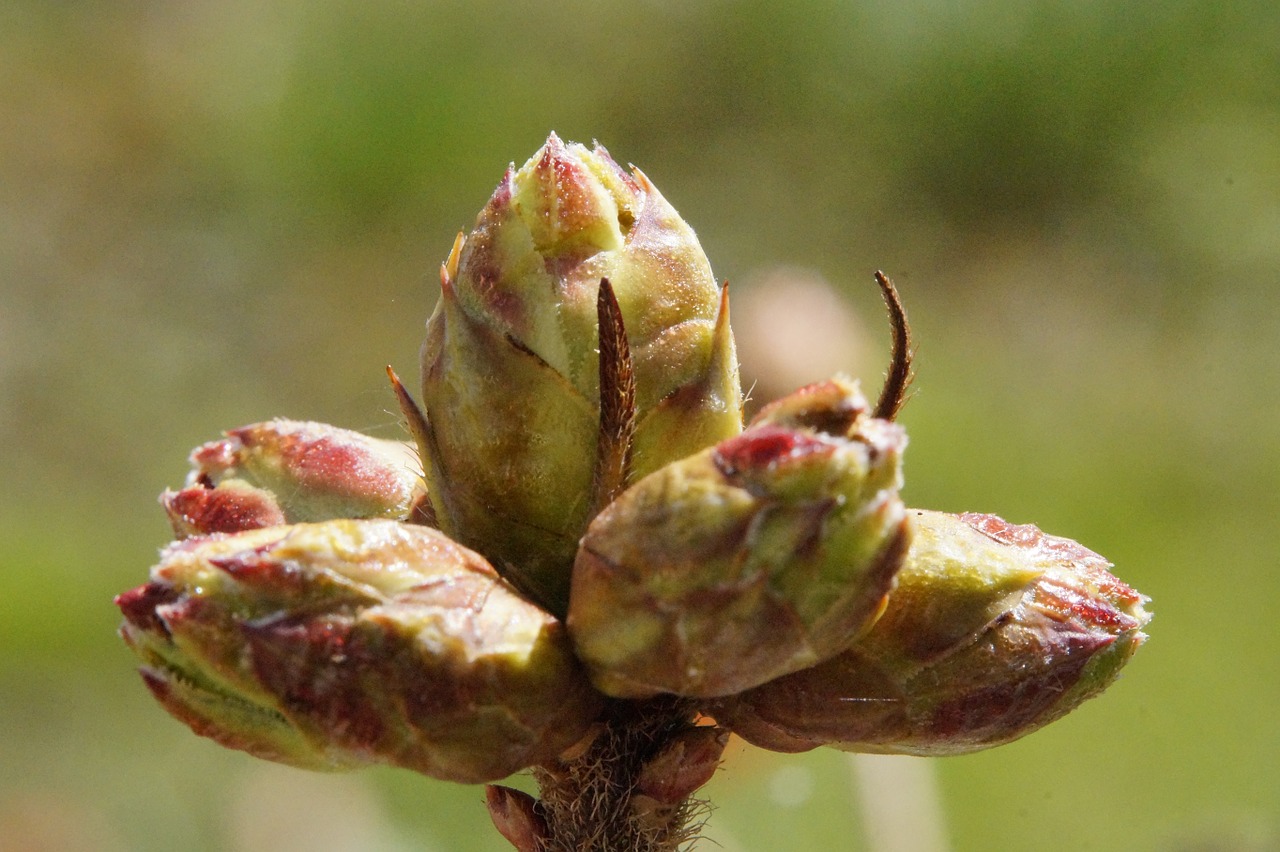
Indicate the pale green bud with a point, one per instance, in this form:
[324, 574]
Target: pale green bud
[765, 554]
[287, 471]
[511, 364]
[994, 630]
[351, 642]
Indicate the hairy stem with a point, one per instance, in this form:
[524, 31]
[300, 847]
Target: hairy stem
[628, 789]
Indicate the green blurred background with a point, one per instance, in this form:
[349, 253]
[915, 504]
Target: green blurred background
[212, 213]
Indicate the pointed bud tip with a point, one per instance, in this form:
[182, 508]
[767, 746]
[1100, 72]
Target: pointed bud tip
[139, 606]
[642, 181]
[766, 447]
[515, 816]
[833, 407]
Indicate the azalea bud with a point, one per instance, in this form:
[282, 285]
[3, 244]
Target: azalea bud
[994, 630]
[286, 471]
[350, 642]
[763, 555]
[511, 364]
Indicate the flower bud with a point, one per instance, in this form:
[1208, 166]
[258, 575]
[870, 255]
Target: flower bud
[286, 471]
[763, 555]
[994, 630]
[511, 381]
[350, 642]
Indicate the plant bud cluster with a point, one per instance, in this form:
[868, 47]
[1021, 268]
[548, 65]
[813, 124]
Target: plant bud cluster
[582, 521]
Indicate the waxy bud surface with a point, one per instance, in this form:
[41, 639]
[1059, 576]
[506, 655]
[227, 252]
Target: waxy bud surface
[511, 382]
[351, 642]
[287, 471]
[994, 630]
[760, 556]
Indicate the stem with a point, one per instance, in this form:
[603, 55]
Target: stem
[592, 802]
[627, 790]
[900, 803]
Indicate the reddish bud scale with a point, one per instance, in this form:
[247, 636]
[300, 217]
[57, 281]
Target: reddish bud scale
[987, 713]
[765, 448]
[304, 453]
[287, 653]
[683, 765]
[1085, 562]
[286, 471]
[204, 509]
[141, 606]
[515, 815]
[279, 578]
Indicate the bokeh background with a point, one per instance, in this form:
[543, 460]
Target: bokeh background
[215, 212]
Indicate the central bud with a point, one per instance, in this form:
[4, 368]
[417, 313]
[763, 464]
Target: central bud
[516, 434]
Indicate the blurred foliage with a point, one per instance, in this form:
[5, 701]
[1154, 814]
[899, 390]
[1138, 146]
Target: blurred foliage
[212, 213]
